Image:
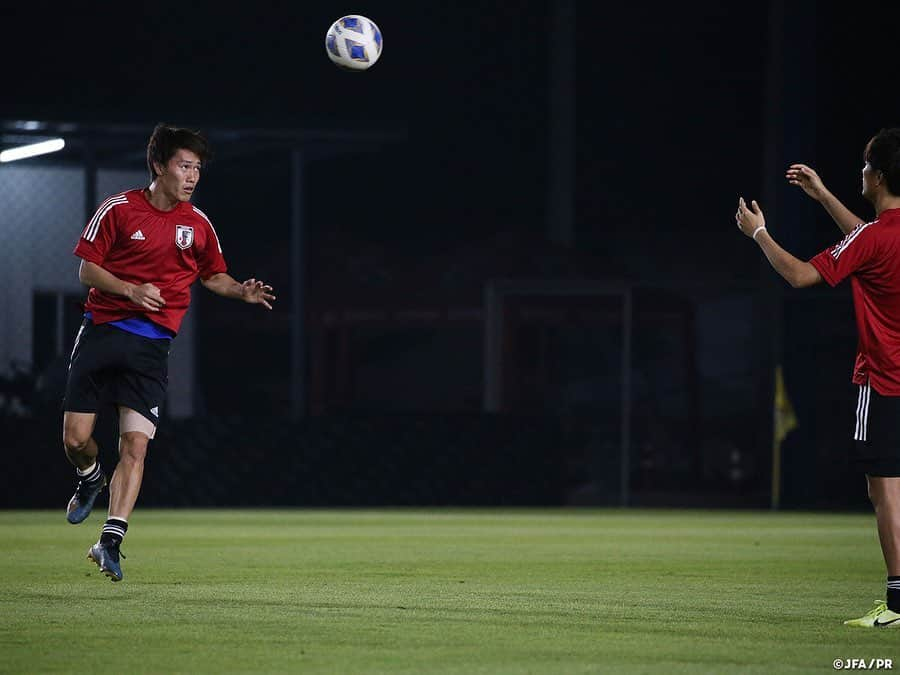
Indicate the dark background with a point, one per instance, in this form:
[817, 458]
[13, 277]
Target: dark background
[680, 108]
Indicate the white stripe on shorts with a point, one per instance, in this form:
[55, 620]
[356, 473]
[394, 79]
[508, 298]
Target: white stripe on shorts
[862, 413]
[77, 340]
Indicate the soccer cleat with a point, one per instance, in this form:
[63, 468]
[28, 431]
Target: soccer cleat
[107, 558]
[82, 501]
[878, 617]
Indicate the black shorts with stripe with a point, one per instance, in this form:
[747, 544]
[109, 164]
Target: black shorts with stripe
[877, 433]
[111, 365]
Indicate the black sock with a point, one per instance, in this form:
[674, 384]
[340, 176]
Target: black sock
[893, 594]
[113, 531]
[93, 476]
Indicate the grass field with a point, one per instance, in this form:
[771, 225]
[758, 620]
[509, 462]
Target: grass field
[443, 591]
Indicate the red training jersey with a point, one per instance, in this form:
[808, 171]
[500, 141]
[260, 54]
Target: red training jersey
[133, 240]
[870, 256]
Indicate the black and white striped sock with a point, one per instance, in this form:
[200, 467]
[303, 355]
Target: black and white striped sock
[90, 474]
[113, 531]
[893, 594]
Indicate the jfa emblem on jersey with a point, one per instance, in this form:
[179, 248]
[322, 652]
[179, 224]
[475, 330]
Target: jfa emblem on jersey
[184, 236]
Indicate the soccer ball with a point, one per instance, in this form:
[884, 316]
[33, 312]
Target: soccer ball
[353, 42]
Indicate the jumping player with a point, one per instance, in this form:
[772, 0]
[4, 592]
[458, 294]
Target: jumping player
[869, 254]
[140, 253]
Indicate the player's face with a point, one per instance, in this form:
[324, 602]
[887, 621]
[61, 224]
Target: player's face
[869, 181]
[181, 175]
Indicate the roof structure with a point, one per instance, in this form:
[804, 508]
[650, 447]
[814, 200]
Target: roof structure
[115, 144]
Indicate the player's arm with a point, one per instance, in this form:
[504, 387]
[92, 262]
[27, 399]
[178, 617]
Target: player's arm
[808, 180]
[252, 291]
[146, 296]
[797, 273]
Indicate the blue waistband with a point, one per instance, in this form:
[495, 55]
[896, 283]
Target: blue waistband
[140, 326]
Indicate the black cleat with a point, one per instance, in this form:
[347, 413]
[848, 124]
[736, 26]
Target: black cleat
[83, 500]
[107, 558]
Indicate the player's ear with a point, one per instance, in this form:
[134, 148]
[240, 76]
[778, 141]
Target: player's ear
[159, 168]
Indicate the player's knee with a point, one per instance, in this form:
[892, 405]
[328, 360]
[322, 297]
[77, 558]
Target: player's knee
[133, 446]
[75, 441]
[874, 495]
[884, 502]
[888, 502]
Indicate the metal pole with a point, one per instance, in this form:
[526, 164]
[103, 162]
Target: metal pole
[90, 181]
[298, 272]
[770, 297]
[59, 346]
[90, 205]
[561, 151]
[625, 470]
[493, 352]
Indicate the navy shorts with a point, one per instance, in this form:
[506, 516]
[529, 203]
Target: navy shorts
[876, 436]
[111, 365]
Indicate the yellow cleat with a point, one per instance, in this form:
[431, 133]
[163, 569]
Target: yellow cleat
[879, 617]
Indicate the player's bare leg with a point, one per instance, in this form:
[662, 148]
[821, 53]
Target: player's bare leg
[123, 490]
[126, 481]
[885, 496]
[81, 449]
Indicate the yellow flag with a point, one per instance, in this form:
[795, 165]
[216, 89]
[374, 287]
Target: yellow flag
[784, 421]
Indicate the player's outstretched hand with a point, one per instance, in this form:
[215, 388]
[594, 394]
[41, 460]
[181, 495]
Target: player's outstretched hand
[257, 293]
[148, 297]
[807, 179]
[749, 219]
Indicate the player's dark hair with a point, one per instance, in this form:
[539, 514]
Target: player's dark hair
[883, 154]
[166, 140]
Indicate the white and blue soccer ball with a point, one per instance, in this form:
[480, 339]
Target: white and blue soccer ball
[353, 42]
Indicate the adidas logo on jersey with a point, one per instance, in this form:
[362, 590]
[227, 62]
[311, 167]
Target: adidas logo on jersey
[138, 235]
[155, 411]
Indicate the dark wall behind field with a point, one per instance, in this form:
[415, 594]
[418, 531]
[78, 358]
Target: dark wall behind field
[674, 118]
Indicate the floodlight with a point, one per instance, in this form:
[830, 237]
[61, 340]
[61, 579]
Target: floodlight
[32, 150]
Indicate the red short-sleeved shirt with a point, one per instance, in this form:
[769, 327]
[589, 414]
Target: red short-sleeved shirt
[138, 243]
[870, 256]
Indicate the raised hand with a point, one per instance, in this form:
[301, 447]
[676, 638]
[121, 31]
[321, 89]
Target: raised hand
[750, 220]
[807, 179]
[257, 293]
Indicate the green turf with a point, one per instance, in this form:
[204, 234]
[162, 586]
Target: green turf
[443, 591]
